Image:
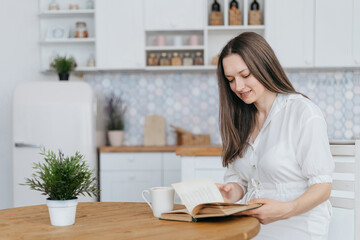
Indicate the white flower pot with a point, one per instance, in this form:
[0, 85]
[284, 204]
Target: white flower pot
[62, 212]
[115, 137]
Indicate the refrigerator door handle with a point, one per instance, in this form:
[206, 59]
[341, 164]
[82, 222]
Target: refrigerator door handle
[28, 145]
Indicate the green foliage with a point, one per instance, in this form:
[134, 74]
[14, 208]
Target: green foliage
[63, 64]
[63, 178]
[115, 110]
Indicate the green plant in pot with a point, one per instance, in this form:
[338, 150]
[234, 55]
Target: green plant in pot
[63, 179]
[63, 65]
[115, 110]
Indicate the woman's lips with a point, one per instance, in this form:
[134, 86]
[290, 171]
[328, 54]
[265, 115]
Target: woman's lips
[245, 94]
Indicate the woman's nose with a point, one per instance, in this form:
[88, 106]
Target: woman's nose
[239, 84]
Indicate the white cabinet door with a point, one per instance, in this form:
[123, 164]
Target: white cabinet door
[120, 34]
[123, 176]
[170, 14]
[356, 32]
[290, 31]
[334, 33]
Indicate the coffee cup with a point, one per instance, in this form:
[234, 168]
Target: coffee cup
[161, 198]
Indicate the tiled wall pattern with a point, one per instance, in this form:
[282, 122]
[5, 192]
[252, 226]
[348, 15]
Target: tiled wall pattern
[190, 100]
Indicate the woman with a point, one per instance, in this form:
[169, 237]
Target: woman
[275, 144]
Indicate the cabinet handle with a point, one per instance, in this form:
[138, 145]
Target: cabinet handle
[132, 177]
[357, 61]
[308, 62]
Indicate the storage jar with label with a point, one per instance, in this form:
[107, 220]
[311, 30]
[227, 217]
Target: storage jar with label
[176, 60]
[81, 30]
[152, 60]
[164, 60]
[188, 60]
[198, 59]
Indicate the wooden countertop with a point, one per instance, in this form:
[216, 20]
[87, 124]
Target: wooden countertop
[180, 150]
[199, 150]
[138, 149]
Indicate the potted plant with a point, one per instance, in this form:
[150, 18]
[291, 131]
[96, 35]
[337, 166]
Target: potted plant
[115, 109]
[63, 65]
[62, 179]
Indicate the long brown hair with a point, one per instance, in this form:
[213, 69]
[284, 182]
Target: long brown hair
[237, 119]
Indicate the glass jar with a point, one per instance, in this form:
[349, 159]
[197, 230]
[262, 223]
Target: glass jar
[164, 59]
[54, 5]
[188, 60]
[91, 61]
[152, 60]
[198, 60]
[90, 4]
[176, 60]
[81, 30]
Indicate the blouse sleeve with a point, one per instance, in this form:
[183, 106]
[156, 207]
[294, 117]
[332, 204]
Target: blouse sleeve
[313, 151]
[231, 175]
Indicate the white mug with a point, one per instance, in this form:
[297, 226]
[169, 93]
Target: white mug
[162, 199]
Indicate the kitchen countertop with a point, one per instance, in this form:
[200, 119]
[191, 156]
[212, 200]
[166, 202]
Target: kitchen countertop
[199, 150]
[209, 150]
[104, 149]
[212, 150]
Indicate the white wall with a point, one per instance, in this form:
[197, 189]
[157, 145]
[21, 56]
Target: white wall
[19, 62]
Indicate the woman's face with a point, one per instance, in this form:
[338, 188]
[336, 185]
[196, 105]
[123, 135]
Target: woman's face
[242, 82]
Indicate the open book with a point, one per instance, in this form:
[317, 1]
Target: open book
[202, 199]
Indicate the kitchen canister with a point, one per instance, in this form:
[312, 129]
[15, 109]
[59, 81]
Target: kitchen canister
[194, 40]
[160, 40]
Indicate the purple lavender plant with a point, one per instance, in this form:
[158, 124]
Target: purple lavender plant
[115, 110]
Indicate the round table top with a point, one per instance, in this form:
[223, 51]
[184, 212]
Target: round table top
[119, 220]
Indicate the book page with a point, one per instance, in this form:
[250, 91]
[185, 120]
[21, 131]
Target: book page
[197, 191]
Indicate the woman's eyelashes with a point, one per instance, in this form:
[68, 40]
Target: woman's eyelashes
[232, 79]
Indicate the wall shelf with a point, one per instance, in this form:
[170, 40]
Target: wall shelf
[64, 13]
[240, 27]
[69, 40]
[58, 30]
[174, 48]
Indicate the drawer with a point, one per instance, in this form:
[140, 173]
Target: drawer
[130, 161]
[127, 186]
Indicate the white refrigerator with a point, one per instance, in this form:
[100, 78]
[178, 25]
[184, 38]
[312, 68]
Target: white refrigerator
[56, 115]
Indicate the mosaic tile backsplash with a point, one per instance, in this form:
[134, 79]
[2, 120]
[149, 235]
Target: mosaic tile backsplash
[190, 100]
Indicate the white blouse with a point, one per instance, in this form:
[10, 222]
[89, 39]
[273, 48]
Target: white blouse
[290, 153]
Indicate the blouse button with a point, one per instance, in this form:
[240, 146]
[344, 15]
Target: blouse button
[254, 166]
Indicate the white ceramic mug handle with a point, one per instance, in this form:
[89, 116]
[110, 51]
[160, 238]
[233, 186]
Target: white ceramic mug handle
[143, 195]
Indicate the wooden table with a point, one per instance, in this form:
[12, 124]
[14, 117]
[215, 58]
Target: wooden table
[101, 220]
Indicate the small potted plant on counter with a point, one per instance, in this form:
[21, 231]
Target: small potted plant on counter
[62, 179]
[115, 110]
[63, 65]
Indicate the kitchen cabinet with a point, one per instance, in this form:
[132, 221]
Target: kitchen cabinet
[290, 31]
[193, 167]
[171, 15]
[58, 29]
[311, 33]
[120, 34]
[123, 176]
[337, 39]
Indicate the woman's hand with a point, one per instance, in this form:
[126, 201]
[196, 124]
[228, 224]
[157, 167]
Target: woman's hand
[271, 210]
[231, 192]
